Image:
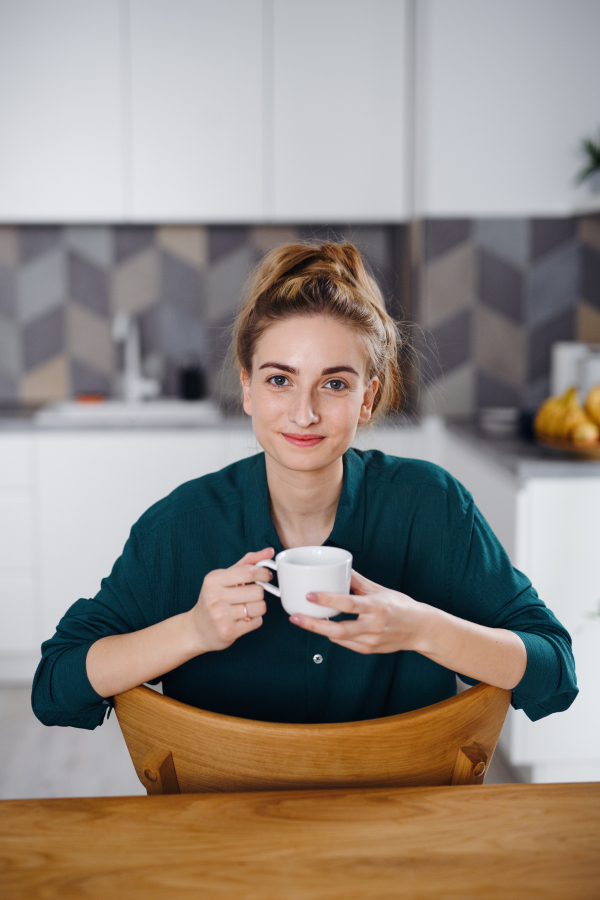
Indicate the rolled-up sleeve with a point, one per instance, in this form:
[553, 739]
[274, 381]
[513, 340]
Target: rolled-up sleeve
[62, 693]
[487, 589]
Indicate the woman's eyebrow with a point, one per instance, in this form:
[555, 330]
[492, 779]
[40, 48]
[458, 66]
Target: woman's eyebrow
[334, 369]
[276, 365]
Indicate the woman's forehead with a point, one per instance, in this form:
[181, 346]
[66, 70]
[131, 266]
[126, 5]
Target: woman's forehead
[311, 335]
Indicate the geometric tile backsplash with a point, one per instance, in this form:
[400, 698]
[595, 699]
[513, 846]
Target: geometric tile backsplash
[490, 297]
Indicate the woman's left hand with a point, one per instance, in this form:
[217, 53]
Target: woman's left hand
[387, 620]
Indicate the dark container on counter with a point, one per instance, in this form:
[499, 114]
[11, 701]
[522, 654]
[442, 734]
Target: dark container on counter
[192, 382]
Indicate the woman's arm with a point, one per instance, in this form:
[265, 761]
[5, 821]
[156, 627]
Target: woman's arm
[119, 662]
[389, 621]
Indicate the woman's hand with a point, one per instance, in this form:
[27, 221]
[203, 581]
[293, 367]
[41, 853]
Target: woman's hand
[231, 603]
[387, 620]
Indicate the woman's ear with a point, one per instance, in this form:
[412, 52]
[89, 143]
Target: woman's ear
[368, 400]
[245, 378]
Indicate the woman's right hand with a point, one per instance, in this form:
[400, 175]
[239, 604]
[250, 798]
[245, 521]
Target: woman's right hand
[219, 616]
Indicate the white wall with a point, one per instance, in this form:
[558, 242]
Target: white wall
[506, 91]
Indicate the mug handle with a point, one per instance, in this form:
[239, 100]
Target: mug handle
[271, 564]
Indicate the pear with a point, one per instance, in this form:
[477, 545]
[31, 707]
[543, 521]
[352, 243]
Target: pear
[585, 433]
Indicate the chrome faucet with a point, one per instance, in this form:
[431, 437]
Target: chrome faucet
[133, 386]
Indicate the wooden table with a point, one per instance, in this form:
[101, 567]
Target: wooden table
[502, 841]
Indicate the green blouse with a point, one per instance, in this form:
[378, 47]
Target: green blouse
[409, 525]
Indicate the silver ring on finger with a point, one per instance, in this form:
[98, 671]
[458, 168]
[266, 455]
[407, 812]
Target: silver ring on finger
[246, 616]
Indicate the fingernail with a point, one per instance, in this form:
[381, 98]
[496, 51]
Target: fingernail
[312, 597]
[295, 619]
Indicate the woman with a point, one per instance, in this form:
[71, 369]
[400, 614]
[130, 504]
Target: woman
[434, 594]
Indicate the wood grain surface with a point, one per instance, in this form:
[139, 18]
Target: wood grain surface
[213, 752]
[505, 841]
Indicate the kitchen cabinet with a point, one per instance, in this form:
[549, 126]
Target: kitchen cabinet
[196, 110]
[506, 90]
[19, 609]
[61, 154]
[548, 523]
[340, 106]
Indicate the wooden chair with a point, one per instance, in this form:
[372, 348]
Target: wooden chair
[177, 748]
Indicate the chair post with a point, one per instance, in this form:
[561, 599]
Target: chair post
[158, 772]
[470, 766]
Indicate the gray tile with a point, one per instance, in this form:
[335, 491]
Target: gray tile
[181, 285]
[181, 335]
[499, 285]
[44, 338]
[547, 234]
[590, 275]
[131, 239]
[449, 344]
[93, 242]
[88, 284]
[8, 291]
[372, 241]
[10, 347]
[552, 284]
[561, 328]
[492, 391]
[9, 389]
[534, 393]
[42, 285]
[442, 234]
[224, 239]
[225, 282]
[450, 395]
[506, 238]
[37, 239]
[87, 380]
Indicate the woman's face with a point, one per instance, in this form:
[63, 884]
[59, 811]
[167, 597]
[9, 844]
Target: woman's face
[308, 391]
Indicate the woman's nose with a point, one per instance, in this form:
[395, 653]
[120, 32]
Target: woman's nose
[304, 410]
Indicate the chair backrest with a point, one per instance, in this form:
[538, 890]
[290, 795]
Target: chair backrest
[177, 748]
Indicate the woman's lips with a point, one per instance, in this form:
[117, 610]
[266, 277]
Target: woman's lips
[303, 440]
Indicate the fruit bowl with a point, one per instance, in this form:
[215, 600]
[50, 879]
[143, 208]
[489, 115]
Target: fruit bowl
[591, 451]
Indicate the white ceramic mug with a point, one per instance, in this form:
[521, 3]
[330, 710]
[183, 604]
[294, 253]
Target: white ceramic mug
[301, 570]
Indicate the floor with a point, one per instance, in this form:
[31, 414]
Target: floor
[69, 762]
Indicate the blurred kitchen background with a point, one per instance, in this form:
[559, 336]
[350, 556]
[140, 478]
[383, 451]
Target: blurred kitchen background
[152, 151]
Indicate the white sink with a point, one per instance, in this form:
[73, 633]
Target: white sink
[120, 412]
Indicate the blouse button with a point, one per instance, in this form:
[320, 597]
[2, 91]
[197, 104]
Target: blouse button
[317, 658]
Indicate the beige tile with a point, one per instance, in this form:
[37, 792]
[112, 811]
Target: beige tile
[267, 237]
[499, 346]
[89, 339]
[588, 323]
[9, 254]
[47, 382]
[187, 242]
[448, 284]
[135, 283]
[589, 231]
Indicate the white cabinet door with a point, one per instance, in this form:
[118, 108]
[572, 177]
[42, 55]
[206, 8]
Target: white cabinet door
[339, 110]
[60, 109]
[506, 91]
[92, 488]
[19, 632]
[196, 107]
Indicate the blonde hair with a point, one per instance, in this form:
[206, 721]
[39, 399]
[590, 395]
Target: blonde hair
[323, 279]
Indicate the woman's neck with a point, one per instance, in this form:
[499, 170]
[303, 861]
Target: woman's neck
[304, 504]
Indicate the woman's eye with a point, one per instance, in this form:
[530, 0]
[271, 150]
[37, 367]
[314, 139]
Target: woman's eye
[336, 384]
[278, 380]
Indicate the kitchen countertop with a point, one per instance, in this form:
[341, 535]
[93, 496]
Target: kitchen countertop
[522, 458]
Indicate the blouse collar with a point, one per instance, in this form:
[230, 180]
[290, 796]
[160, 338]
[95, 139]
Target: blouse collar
[347, 532]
